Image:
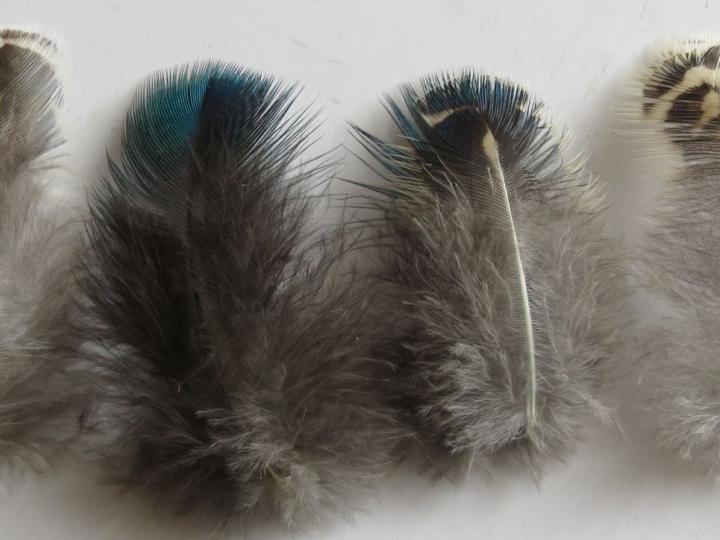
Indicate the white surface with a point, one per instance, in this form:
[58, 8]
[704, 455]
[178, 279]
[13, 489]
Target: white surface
[573, 54]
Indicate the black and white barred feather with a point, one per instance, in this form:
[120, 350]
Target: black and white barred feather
[40, 402]
[239, 375]
[508, 275]
[677, 118]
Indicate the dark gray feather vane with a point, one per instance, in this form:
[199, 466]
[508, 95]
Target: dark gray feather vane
[240, 374]
[40, 399]
[677, 119]
[507, 271]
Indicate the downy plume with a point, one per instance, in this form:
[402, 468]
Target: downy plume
[40, 401]
[676, 117]
[508, 275]
[240, 373]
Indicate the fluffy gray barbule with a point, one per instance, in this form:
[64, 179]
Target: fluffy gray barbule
[678, 117]
[238, 374]
[508, 274]
[39, 401]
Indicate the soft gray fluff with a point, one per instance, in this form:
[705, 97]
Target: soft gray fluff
[680, 267]
[239, 374]
[462, 257]
[39, 402]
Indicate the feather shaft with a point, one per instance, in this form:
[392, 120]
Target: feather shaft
[491, 149]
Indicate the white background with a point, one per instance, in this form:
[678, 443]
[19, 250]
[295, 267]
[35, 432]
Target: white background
[575, 55]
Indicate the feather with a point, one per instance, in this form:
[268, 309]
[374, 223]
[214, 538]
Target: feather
[240, 372]
[677, 120]
[39, 399]
[508, 273]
